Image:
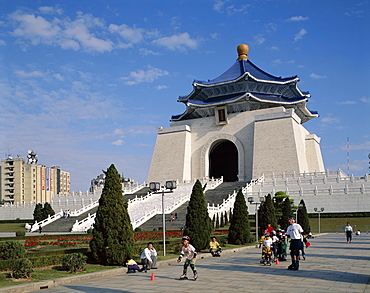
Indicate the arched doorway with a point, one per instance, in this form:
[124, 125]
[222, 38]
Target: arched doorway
[223, 161]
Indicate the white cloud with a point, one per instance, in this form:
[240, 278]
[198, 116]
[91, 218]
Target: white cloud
[300, 34]
[161, 87]
[365, 100]
[35, 73]
[362, 146]
[316, 76]
[130, 34]
[50, 10]
[58, 76]
[218, 6]
[118, 142]
[148, 75]
[297, 18]
[145, 52]
[180, 42]
[35, 28]
[2, 43]
[62, 32]
[259, 39]
[277, 61]
[347, 102]
[330, 119]
[79, 31]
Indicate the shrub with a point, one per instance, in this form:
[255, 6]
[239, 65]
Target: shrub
[20, 233]
[22, 270]
[11, 250]
[89, 231]
[74, 262]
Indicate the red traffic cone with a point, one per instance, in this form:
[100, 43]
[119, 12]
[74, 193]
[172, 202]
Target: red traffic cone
[277, 261]
[152, 278]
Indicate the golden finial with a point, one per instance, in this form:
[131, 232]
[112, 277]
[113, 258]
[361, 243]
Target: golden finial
[242, 52]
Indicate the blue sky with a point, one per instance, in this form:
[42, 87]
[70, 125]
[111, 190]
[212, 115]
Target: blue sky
[85, 83]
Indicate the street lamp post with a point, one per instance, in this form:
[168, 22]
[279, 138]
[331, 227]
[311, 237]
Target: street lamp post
[251, 201]
[156, 188]
[319, 211]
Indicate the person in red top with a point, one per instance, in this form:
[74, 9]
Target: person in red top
[269, 229]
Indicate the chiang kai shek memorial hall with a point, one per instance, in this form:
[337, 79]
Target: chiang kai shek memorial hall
[241, 125]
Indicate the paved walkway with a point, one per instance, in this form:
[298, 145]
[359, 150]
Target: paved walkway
[331, 266]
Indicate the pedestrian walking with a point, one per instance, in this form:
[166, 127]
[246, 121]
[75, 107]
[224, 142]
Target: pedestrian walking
[348, 232]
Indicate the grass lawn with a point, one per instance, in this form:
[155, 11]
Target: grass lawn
[12, 227]
[332, 224]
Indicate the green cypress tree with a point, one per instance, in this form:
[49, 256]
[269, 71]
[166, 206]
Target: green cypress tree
[303, 217]
[222, 220]
[47, 210]
[214, 221]
[198, 223]
[287, 212]
[37, 213]
[226, 219]
[267, 214]
[217, 222]
[239, 230]
[113, 237]
[278, 204]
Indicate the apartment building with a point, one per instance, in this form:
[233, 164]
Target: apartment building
[27, 182]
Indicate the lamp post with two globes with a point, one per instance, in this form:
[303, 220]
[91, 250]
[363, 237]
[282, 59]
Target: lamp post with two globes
[156, 188]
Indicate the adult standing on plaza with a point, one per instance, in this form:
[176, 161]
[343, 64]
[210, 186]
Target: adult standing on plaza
[348, 231]
[294, 232]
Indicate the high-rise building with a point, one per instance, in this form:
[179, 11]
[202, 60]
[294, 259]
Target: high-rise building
[27, 182]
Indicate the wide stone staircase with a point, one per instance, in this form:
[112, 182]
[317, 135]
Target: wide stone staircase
[213, 196]
[65, 224]
[222, 192]
[156, 223]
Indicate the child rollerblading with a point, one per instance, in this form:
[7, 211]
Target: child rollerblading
[189, 251]
[266, 250]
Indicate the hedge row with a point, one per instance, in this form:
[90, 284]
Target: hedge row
[7, 265]
[340, 215]
[57, 252]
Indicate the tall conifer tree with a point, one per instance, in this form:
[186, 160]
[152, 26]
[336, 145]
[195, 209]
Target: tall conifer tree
[47, 210]
[303, 217]
[113, 238]
[287, 212]
[37, 213]
[239, 231]
[267, 214]
[198, 223]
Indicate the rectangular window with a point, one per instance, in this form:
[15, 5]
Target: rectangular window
[221, 115]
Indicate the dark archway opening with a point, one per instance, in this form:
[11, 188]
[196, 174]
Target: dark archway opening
[223, 161]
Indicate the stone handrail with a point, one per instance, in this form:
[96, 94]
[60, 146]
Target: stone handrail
[84, 224]
[48, 220]
[315, 191]
[178, 198]
[228, 203]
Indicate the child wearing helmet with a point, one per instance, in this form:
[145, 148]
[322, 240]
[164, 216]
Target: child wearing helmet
[266, 250]
[190, 252]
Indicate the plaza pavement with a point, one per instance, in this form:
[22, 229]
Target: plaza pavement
[331, 266]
